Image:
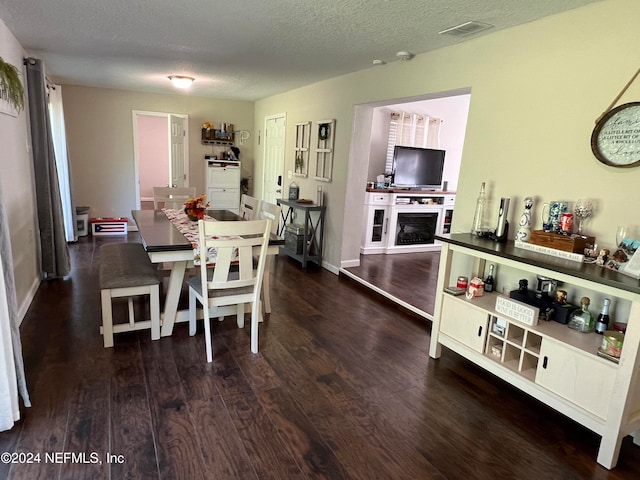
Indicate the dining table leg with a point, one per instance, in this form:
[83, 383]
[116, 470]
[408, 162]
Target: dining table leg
[173, 297]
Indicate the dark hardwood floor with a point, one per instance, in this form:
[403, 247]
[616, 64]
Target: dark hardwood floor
[342, 388]
[409, 279]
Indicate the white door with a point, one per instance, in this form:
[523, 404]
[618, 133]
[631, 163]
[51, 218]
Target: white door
[177, 162]
[273, 181]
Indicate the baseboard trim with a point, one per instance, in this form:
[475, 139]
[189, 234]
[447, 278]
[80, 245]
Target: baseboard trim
[332, 268]
[26, 303]
[393, 298]
[350, 263]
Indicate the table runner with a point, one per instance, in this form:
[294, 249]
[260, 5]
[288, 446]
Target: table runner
[190, 230]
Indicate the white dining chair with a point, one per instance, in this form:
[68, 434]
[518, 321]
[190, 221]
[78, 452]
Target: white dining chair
[234, 280]
[172, 197]
[272, 212]
[249, 207]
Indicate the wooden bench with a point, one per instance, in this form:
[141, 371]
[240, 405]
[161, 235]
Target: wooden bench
[126, 271]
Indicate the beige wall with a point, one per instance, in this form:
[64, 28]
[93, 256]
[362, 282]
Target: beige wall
[17, 180]
[99, 126]
[536, 91]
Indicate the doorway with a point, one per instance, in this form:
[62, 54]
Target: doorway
[160, 153]
[366, 159]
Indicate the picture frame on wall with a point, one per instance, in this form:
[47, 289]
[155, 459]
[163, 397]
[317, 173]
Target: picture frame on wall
[324, 150]
[6, 107]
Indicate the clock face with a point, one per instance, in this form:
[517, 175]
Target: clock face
[616, 139]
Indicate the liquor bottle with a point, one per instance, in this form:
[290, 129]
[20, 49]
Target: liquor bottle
[478, 217]
[581, 319]
[489, 283]
[602, 323]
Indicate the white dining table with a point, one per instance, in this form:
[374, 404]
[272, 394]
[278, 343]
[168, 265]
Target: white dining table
[164, 243]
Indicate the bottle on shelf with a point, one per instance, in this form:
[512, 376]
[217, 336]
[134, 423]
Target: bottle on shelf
[478, 217]
[489, 282]
[581, 319]
[602, 322]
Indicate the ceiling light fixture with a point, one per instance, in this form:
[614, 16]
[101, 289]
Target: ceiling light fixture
[404, 55]
[180, 81]
[379, 62]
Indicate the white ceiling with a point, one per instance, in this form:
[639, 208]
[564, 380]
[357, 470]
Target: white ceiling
[242, 49]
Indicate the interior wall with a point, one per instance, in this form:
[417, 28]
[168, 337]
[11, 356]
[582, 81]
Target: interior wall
[100, 139]
[536, 91]
[17, 179]
[153, 154]
[452, 110]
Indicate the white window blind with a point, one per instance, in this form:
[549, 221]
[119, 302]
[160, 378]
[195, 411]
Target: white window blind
[411, 130]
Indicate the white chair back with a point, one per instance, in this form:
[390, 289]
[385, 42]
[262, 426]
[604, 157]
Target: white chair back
[172, 197]
[272, 212]
[235, 279]
[249, 207]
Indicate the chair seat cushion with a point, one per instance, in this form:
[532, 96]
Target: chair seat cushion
[194, 282]
[124, 265]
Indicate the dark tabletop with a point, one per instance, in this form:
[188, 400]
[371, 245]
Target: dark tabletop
[160, 235]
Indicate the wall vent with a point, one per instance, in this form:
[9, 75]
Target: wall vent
[465, 29]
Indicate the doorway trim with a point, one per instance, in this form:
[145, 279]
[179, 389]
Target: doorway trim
[136, 159]
[359, 150]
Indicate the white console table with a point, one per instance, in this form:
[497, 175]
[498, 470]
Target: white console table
[554, 364]
[404, 221]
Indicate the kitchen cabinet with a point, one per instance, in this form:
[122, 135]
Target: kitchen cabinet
[554, 364]
[223, 184]
[464, 322]
[578, 377]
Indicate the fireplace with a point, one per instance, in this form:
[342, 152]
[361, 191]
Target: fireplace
[416, 228]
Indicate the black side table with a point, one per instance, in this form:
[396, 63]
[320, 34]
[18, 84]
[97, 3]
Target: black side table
[303, 241]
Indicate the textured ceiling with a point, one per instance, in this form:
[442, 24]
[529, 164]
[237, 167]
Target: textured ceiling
[242, 49]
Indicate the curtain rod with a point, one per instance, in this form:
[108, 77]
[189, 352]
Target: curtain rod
[47, 80]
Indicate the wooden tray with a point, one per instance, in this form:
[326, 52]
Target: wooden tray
[566, 243]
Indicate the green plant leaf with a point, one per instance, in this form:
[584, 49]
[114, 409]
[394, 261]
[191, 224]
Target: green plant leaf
[10, 85]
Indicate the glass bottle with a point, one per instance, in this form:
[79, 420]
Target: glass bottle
[582, 320]
[488, 283]
[478, 217]
[602, 323]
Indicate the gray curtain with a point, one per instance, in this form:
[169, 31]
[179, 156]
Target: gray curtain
[55, 254]
[12, 303]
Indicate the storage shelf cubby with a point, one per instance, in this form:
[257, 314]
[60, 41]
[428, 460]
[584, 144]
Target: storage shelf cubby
[515, 334]
[533, 342]
[519, 347]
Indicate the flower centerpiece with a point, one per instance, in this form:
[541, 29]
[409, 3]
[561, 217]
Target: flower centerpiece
[195, 208]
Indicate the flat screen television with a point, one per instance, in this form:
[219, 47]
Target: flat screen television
[415, 167]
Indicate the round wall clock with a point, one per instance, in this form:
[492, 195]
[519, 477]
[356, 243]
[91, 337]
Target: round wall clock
[616, 139]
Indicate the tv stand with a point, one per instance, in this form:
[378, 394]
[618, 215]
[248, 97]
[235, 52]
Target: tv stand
[405, 221]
